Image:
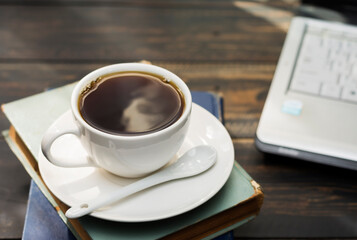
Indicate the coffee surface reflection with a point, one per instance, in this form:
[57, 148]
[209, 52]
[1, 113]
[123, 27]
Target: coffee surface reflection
[131, 103]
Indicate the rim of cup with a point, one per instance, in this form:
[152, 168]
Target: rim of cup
[124, 67]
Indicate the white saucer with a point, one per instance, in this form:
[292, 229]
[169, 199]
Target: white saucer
[75, 185]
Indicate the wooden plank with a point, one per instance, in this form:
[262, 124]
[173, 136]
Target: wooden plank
[14, 186]
[130, 33]
[243, 86]
[305, 199]
[155, 3]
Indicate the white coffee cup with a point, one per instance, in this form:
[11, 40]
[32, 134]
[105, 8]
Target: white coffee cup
[124, 155]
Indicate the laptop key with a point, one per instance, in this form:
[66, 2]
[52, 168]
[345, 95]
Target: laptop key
[349, 93]
[330, 90]
[306, 85]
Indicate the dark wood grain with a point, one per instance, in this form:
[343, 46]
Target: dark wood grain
[301, 199]
[244, 86]
[14, 185]
[127, 33]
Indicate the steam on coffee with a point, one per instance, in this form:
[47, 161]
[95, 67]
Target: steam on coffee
[131, 103]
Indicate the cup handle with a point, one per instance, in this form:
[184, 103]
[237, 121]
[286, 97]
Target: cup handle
[64, 125]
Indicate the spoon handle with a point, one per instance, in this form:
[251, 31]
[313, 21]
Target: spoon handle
[193, 162]
[84, 208]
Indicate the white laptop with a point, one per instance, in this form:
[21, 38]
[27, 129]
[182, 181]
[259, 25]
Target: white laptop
[311, 109]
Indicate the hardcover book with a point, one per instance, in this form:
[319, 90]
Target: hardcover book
[236, 203]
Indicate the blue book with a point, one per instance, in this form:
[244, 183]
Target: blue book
[42, 220]
[238, 202]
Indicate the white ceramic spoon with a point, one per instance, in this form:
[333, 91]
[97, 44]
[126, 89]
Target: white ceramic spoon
[193, 162]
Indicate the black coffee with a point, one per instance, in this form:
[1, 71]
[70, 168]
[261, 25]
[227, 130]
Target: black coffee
[131, 103]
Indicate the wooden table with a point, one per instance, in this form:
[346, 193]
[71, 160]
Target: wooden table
[230, 47]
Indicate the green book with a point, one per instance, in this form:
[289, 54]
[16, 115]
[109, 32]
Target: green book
[238, 201]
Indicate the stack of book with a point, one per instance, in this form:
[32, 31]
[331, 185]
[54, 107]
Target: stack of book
[238, 201]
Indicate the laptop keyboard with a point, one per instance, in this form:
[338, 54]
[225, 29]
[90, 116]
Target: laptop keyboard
[326, 65]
